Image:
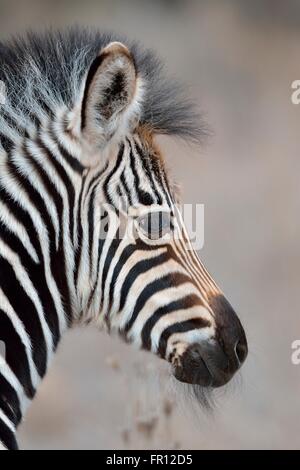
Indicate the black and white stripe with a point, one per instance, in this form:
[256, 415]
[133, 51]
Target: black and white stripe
[77, 165]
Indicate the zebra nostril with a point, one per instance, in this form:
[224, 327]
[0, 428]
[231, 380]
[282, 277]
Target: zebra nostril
[241, 351]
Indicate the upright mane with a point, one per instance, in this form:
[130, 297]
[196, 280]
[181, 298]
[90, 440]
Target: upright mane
[43, 71]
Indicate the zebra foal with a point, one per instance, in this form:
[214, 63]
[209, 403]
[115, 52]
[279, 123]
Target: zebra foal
[89, 225]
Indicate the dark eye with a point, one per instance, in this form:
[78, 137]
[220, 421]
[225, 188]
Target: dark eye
[155, 224]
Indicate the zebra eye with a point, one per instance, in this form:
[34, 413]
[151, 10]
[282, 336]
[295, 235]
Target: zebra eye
[155, 224]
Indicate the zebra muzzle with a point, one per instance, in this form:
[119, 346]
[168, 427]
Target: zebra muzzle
[204, 364]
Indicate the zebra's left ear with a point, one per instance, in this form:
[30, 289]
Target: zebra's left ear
[112, 95]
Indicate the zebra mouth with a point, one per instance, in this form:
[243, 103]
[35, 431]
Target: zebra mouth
[195, 374]
[199, 368]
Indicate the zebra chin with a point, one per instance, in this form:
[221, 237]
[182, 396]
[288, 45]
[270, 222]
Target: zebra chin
[195, 368]
[205, 364]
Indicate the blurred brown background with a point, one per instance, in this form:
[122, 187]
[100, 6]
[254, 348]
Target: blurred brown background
[239, 59]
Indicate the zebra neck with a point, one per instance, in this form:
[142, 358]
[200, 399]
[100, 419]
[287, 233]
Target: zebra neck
[37, 294]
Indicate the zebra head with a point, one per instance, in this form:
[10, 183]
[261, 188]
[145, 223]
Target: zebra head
[145, 281]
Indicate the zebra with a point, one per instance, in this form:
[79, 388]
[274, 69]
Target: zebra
[90, 229]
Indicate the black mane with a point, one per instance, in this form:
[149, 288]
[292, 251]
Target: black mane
[58, 61]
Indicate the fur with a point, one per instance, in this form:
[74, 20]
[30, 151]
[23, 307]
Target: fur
[44, 71]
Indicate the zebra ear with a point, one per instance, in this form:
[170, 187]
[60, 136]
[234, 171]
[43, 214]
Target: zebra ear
[111, 99]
